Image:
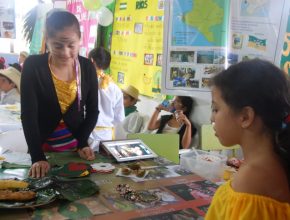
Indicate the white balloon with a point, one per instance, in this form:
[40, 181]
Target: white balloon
[106, 2]
[105, 16]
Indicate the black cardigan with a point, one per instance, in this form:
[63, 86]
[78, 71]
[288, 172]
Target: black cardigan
[164, 120]
[40, 110]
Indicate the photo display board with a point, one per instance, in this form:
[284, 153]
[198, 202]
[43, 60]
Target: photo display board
[7, 19]
[136, 47]
[204, 37]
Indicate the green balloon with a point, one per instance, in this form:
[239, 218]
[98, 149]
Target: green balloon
[92, 5]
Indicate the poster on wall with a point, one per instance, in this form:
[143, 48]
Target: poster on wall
[137, 44]
[7, 19]
[285, 40]
[88, 25]
[203, 37]
[254, 29]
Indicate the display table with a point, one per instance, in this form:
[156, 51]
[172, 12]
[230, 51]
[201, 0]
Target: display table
[10, 117]
[182, 195]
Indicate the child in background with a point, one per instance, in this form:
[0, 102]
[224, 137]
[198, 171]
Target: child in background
[22, 57]
[250, 107]
[133, 122]
[10, 86]
[110, 99]
[178, 122]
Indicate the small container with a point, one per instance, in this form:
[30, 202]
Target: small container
[177, 113]
[209, 165]
[165, 103]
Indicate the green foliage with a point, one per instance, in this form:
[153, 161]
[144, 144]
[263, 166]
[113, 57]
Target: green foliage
[29, 23]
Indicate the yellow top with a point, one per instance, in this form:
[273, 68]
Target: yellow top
[66, 92]
[228, 204]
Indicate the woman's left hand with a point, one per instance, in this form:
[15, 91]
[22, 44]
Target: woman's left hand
[87, 153]
[181, 118]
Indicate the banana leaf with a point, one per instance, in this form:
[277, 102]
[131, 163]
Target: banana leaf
[69, 189]
[43, 197]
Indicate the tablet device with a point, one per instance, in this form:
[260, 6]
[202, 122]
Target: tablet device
[126, 150]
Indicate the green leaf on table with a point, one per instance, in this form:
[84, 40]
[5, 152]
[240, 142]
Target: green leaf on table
[76, 189]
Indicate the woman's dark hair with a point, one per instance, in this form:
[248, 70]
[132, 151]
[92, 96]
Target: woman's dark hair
[264, 87]
[57, 20]
[101, 57]
[187, 102]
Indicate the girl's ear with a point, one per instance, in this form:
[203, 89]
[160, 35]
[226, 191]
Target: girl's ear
[247, 117]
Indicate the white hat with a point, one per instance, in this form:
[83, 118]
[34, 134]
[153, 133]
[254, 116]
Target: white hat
[12, 74]
[24, 53]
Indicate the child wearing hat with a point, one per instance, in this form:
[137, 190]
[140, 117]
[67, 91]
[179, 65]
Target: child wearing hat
[133, 120]
[22, 57]
[10, 86]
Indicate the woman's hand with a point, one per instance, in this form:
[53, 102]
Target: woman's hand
[161, 107]
[39, 169]
[181, 118]
[86, 153]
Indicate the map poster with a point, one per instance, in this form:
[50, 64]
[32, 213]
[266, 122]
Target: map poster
[137, 45]
[203, 37]
[255, 26]
[7, 19]
[195, 44]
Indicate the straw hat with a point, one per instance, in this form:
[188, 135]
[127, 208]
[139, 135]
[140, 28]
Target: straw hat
[24, 53]
[132, 91]
[12, 74]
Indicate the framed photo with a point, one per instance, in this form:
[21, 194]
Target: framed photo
[126, 150]
[148, 59]
[138, 28]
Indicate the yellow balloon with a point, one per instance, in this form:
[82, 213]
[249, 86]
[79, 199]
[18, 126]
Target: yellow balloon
[92, 5]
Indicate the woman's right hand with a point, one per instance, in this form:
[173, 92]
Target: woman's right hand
[39, 169]
[162, 107]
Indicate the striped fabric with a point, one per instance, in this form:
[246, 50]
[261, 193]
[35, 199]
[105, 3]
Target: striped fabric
[60, 140]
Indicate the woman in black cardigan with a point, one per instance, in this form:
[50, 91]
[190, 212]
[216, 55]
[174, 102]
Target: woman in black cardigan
[177, 122]
[59, 103]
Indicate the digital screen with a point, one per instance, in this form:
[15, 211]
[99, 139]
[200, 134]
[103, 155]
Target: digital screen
[128, 150]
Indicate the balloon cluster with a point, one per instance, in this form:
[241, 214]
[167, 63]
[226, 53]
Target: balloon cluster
[105, 16]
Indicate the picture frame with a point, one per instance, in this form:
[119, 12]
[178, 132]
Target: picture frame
[128, 150]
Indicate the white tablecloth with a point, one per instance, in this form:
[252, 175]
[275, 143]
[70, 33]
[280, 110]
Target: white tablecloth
[10, 118]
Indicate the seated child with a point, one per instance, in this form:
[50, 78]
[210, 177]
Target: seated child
[10, 86]
[110, 100]
[176, 122]
[133, 121]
